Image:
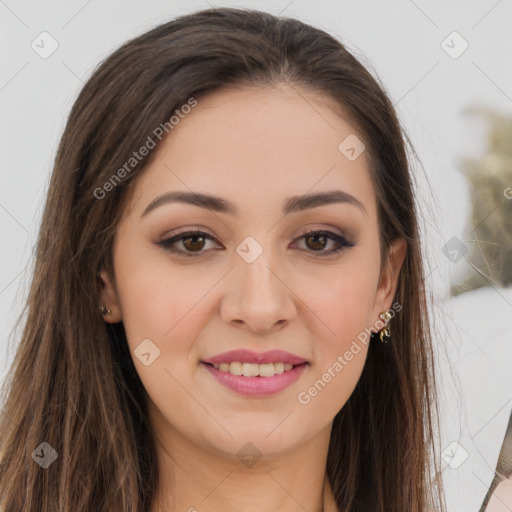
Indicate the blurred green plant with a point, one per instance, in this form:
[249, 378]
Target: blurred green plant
[490, 179]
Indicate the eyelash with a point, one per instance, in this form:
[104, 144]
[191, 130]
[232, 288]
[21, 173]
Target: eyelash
[169, 243]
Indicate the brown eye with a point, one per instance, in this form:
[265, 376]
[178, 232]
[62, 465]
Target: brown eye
[193, 243]
[318, 241]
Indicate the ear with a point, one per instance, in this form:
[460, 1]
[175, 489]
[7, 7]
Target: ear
[389, 278]
[108, 298]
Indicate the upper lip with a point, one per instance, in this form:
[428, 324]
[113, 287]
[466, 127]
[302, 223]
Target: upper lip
[249, 356]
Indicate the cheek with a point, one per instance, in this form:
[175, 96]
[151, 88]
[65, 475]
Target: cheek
[331, 385]
[341, 350]
[353, 299]
[344, 305]
[157, 303]
[159, 306]
[164, 307]
[344, 301]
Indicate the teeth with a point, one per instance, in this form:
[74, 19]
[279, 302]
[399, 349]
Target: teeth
[253, 369]
[236, 368]
[249, 370]
[265, 370]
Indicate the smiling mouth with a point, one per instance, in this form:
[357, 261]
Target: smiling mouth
[253, 369]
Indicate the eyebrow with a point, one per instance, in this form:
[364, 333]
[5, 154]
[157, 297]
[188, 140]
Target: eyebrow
[292, 204]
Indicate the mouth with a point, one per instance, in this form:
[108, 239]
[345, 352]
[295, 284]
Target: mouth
[255, 374]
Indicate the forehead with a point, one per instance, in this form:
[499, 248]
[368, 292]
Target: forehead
[260, 145]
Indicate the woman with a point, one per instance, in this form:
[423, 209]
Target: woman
[227, 310]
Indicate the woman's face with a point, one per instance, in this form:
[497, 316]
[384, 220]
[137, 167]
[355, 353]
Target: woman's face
[252, 280]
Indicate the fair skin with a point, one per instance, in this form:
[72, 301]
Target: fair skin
[255, 149]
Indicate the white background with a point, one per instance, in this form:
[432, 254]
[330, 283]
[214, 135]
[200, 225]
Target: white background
[400, 40]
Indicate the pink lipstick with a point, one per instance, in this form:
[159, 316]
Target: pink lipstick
[256, 374]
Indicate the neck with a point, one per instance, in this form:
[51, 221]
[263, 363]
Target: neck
[194, 479]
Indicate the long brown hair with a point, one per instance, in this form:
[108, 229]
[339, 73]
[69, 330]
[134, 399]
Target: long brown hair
[73, 384]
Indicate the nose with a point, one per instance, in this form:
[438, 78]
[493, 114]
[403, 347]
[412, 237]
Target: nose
[258, 298]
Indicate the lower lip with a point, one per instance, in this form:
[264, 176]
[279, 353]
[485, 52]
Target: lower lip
[257, 386]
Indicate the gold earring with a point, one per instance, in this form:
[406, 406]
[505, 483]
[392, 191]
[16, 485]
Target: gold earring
[385, 332]
[104, 310]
